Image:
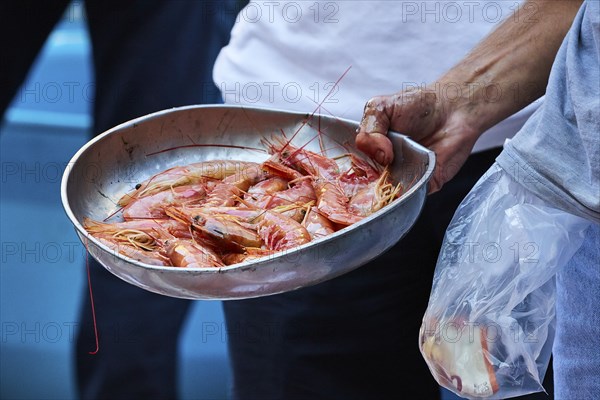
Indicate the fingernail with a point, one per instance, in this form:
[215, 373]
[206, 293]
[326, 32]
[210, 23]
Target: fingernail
[380, 157]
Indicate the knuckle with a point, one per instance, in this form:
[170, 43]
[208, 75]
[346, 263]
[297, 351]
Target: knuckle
[373, 102]
[369, 105]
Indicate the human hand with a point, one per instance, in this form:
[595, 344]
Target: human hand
[425, 116]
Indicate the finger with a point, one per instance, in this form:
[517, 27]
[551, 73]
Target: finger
[447, 165]
[376, 116]
[435, 183]
[373, 129]
[377, 146]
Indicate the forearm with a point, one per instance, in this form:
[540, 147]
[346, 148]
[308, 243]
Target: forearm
[510, 68]
[505, 72]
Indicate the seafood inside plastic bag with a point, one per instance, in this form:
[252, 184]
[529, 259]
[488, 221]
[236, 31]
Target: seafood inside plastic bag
[222, 212]
[489, 326]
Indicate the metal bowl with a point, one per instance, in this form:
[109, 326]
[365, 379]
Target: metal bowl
[115, 161]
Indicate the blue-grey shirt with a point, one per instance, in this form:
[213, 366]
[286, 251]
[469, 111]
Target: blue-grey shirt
[557, 152]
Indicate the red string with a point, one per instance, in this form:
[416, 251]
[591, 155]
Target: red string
[87, 266]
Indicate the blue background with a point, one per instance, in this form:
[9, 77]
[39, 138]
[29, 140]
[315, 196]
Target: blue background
[42, 274]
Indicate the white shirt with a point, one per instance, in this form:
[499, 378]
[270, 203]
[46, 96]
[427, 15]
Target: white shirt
[289, 55]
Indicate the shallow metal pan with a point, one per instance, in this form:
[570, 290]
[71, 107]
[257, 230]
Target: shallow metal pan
[115, 161]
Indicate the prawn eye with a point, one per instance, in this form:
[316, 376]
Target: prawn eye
[139, 185]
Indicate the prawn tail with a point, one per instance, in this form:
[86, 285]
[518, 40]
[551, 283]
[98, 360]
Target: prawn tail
[140, 239]
[386, 192]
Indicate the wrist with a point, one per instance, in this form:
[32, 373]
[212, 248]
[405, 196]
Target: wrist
[462, 103]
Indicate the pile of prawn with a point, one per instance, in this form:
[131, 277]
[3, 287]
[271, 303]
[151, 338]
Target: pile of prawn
[221, 212]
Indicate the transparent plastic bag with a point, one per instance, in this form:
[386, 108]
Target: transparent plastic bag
[489, 326]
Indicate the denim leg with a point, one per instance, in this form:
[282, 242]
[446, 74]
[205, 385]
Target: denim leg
[577, 341]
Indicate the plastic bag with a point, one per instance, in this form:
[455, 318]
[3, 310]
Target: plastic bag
[489, 326]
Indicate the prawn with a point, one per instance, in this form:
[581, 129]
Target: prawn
[333, 203]
[274, 229]
[185, 175]
[232, 187]
[374, 196]
[251, 253]
[241, 213]
[152, 206]
[185, 253]
[221, 231]
[316, 224]
[305, 161]
[342, 210]
[359, 174]
[280, 232]
[151, 257]
[300, 193]
[260, 194]
[137, 233]
[136, 239]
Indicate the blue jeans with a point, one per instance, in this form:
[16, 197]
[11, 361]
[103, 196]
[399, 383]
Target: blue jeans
[577, 342]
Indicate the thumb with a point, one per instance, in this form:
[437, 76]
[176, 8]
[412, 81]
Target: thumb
[372, 132]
